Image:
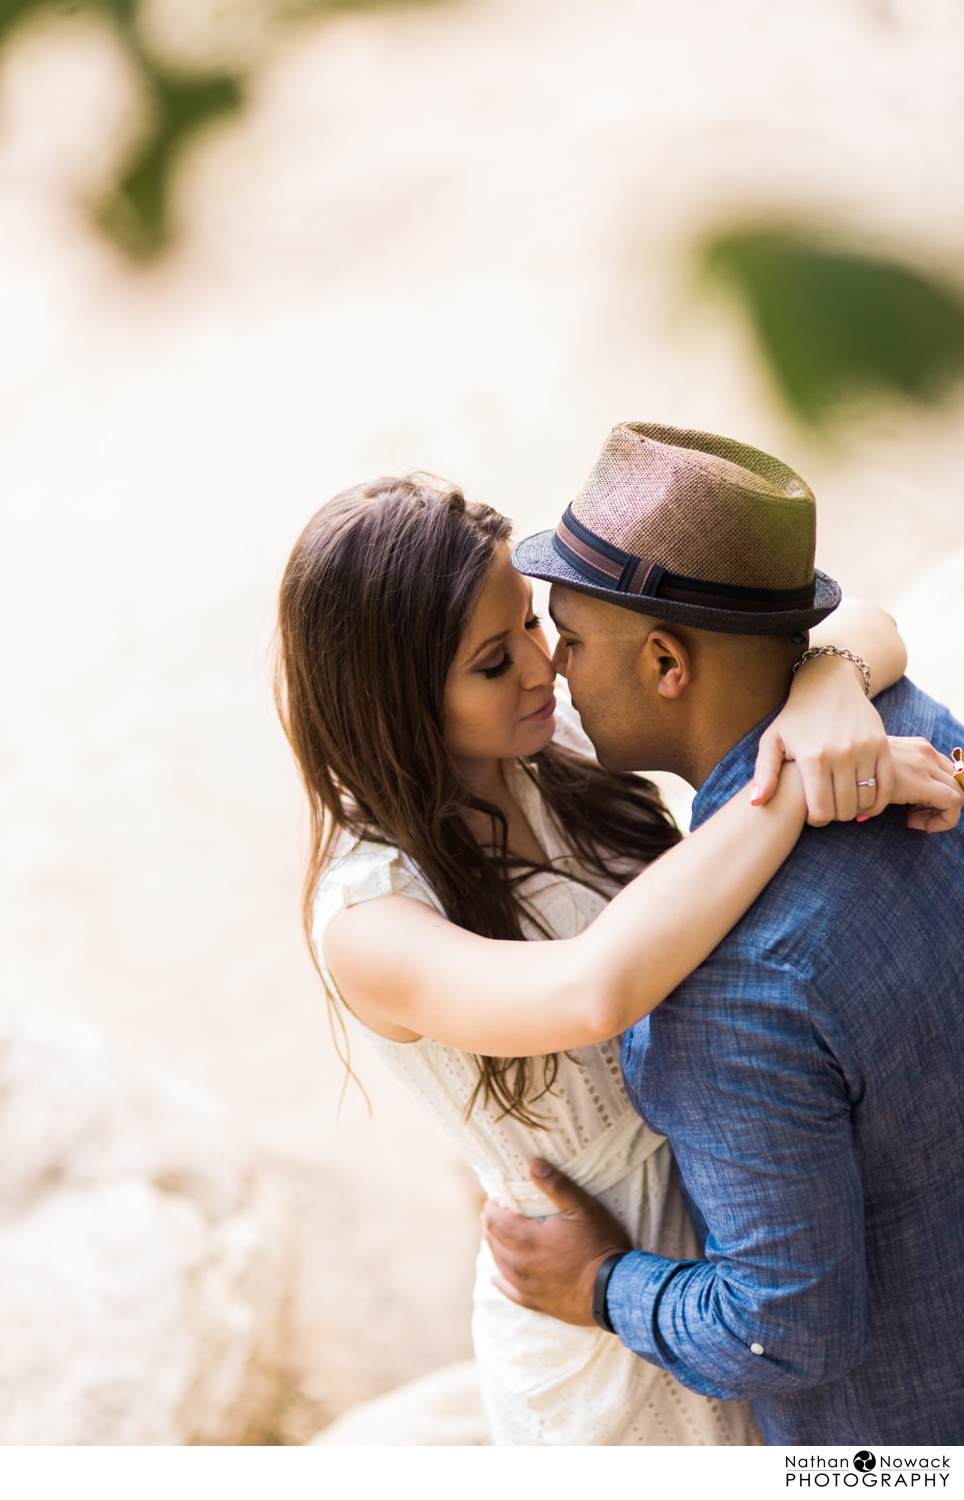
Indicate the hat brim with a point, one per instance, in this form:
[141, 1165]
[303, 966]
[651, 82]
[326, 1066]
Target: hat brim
[536, 557]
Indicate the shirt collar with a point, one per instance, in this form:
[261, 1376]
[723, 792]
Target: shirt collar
[729, 774]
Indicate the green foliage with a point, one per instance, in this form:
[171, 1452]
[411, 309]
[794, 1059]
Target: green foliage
[834, 325]
[136, 213]
[14, 11]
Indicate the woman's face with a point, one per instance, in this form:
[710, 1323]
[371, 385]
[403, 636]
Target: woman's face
[498, 697]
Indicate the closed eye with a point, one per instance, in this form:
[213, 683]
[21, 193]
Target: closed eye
[499, 668]
[534, 622]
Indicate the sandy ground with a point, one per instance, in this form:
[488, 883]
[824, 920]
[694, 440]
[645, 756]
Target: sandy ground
[457, 238]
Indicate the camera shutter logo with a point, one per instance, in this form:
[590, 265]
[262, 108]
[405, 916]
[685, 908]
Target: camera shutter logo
[864, 1461]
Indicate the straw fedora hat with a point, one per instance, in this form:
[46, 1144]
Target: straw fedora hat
[695, 529]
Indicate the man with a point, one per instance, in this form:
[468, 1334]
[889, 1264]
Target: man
[809, 1073]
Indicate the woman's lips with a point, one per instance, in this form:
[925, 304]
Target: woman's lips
[546, 711]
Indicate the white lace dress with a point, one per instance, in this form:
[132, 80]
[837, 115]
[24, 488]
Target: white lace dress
[545, 1382]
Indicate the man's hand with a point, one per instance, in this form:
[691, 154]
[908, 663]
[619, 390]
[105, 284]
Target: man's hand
[550, 1264]
[925, 778]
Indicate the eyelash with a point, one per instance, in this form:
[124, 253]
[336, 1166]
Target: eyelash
[506, 662]
[497, 671]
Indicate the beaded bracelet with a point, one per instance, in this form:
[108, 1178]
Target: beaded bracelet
[858, 661]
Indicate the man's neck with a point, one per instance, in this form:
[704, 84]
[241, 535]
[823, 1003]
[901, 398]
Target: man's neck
[720, 719]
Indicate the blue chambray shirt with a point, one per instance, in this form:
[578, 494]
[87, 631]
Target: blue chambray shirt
[810, 1076]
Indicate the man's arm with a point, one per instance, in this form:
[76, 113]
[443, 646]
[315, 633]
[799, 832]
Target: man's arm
[757, 1107]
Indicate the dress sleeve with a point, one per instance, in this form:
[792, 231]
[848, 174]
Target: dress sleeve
[758, 1111]
[362, 872]
[357, 872]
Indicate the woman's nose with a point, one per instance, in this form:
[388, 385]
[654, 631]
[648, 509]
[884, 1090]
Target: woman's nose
[539, 670]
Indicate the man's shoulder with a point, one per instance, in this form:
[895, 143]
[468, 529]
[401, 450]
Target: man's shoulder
[906, 710]
[842, 884]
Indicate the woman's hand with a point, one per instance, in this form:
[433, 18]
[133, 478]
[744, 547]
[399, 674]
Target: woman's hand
[837, 738]
[924, 778]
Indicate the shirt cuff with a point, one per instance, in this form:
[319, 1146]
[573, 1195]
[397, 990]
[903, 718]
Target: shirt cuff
[632, 1297]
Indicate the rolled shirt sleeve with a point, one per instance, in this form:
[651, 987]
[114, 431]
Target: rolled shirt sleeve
[737, 1071]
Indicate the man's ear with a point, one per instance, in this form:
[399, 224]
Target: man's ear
[666, 663]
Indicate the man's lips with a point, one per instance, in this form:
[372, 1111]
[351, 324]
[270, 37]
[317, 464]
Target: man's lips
[546, 711]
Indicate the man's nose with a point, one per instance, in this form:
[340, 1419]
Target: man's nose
[559, 659]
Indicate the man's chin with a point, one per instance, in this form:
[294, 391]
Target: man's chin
[613, 758]
[608, 757]
[613, 763]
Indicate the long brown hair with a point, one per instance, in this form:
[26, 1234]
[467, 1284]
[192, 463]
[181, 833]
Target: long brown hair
[375, 598]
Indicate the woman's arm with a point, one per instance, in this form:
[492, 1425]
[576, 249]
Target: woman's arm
[868, 631]
[407, 972]
[831, 689]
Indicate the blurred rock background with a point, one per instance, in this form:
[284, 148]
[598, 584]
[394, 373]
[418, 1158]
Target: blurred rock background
[249, 257]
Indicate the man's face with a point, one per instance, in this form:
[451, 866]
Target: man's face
[598, 652]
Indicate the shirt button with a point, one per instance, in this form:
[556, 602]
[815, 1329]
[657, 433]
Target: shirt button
[756, 1348]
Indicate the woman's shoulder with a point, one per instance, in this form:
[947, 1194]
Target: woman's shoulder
[357, 870]
[360, 869]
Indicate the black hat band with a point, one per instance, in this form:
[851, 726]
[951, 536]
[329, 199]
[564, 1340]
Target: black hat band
[608, 567]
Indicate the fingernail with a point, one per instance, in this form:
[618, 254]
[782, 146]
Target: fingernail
[863, 818]
[541, 1169]
[755, 795]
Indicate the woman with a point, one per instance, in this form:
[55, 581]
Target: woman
[416, 688]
